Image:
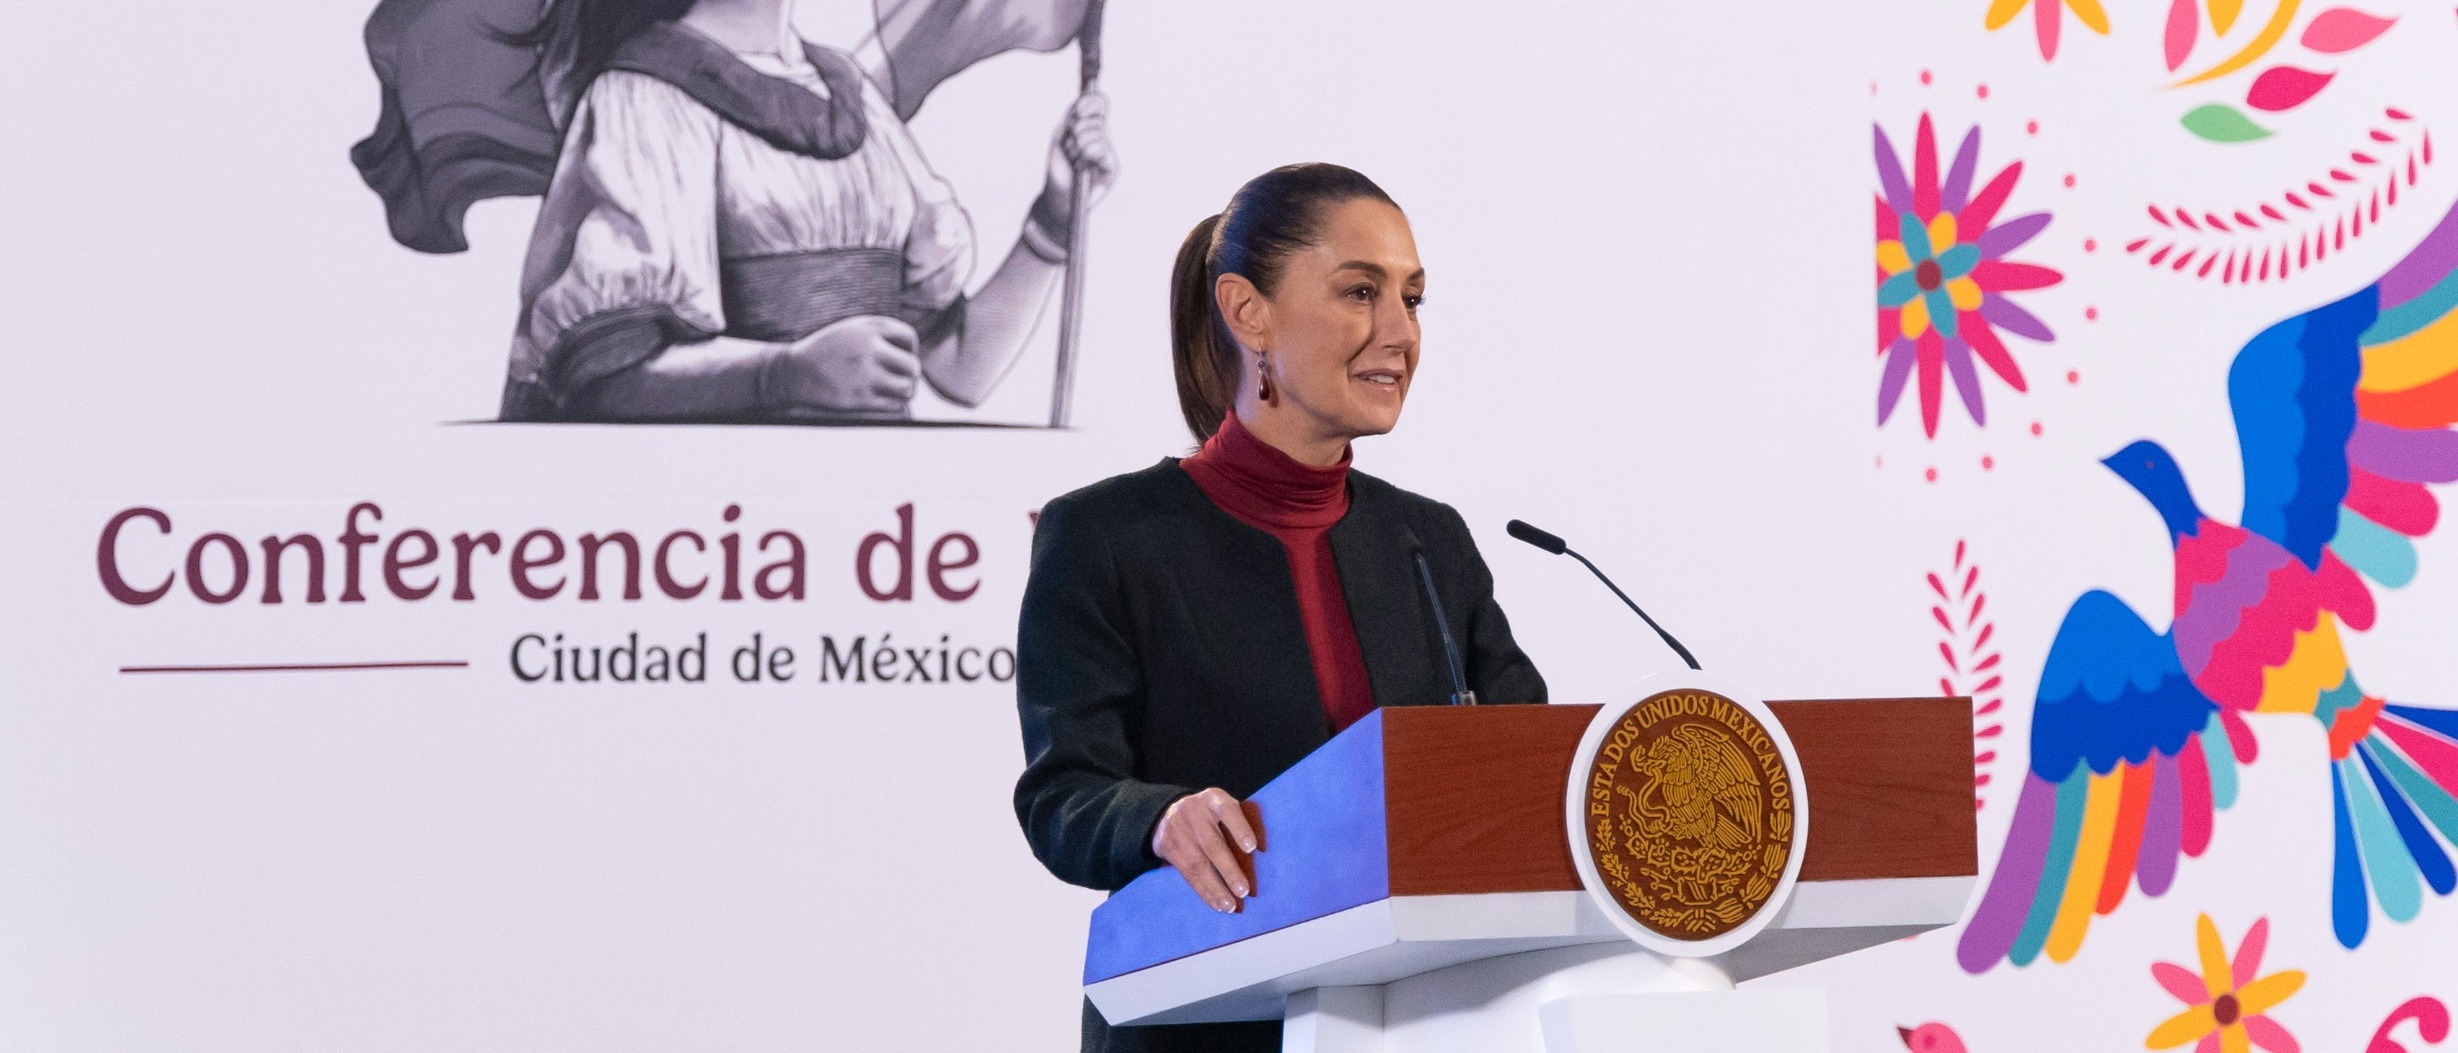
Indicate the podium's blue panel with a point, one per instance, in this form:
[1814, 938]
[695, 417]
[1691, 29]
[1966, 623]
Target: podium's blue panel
[1323, 853]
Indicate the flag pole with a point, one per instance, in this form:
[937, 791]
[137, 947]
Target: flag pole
[1071, 291]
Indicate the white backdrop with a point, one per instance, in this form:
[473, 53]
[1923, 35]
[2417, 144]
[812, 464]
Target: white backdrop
[1647, 330]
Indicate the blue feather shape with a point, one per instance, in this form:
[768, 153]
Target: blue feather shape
[2111, 690]
[2350, 909]
[2444, 721]
[2420, 846]
[2292, 390]
[2064, 837]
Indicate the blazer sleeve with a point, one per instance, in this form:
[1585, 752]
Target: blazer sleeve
[1079, 696]
[1498, 671]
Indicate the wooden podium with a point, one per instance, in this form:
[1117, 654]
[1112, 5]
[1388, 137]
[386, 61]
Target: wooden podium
[1419, 890]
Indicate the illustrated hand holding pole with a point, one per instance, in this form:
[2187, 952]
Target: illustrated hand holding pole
[1208, 838]
[1083, 163]
[1091, 165]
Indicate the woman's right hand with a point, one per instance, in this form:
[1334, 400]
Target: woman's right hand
[1206, 836]
[864, 363]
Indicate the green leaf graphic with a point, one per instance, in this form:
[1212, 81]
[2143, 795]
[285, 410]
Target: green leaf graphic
[2220, 123]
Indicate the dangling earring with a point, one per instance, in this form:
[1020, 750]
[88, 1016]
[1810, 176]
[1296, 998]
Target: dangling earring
[1263, 376]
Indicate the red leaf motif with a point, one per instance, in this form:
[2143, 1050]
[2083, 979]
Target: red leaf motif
[1984, 205]
[2285, 88]
[2003, 276]
[1960, 655]
[1924, 170]
[2343, 29]
[2184, 24]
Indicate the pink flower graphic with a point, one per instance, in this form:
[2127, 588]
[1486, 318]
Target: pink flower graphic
[2225, 1003]
[1943, 278]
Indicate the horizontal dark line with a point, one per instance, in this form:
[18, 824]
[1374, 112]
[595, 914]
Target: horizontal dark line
[290, 667]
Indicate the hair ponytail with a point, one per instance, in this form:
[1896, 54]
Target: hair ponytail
[1206, 360]
[1274, 214]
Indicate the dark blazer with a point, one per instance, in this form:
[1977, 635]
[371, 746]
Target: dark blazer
[1161, 652]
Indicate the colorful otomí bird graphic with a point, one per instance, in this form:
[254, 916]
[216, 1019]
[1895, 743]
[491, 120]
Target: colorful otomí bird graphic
[2342, 416]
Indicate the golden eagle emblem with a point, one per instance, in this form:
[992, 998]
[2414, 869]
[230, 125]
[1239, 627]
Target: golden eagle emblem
[1698, 788]
[1689, 814]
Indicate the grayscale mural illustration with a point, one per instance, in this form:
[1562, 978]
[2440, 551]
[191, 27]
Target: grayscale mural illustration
[737, 224]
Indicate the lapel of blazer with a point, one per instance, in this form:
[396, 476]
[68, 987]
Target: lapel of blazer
[1379, 580]
[1249, 605]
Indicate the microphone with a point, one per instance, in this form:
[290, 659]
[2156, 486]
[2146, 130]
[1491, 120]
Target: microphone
[1460, 695]
[1554, 544]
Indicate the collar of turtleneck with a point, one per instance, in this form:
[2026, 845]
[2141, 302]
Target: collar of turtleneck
[1252, 480]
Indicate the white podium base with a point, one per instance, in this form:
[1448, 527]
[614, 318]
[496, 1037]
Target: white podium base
[1596, 998]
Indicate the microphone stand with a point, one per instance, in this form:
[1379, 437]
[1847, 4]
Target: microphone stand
[1553, 543]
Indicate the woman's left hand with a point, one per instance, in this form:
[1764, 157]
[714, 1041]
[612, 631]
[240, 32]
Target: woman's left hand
[1080, 147]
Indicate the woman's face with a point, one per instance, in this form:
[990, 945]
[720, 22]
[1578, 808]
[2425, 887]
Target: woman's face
[1341, 328]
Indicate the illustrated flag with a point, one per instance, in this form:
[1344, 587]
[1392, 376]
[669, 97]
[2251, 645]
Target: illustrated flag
[468, 112]
[465, 114]
[928, 41]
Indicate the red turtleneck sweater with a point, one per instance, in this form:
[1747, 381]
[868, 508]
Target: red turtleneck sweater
[1296, 503]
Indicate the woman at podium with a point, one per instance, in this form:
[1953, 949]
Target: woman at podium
[1191, 630]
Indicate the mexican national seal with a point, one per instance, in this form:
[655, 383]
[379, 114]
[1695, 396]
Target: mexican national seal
[1690, 814]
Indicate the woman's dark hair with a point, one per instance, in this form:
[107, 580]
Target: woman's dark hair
[1271, 216]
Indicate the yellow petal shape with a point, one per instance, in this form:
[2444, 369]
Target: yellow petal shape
[2082, 884]
[1892, 257]
[1966, 293]
[2188, 1026]
[2315, 663]
[2223, 15]
[2260, 995]
[1916, 318]
[2214, 954]
[2261, 45]
[2003, 11]
[2413, 360]
[2091, 14]
[2232, 1039]
[1941, 234]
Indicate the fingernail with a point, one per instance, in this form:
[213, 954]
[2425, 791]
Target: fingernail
[1249, 843]
[1241, 891]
